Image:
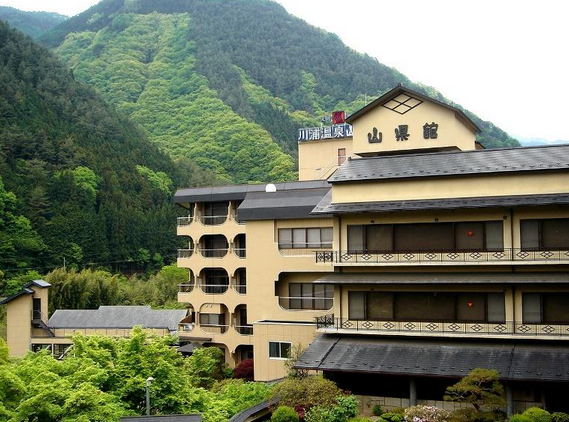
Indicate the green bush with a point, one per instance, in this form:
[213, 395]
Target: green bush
[360, 419]
[376, 410]
[536, 414]
[284, 414]
[472, 415]
[346, 408]
[307, 392]
[519, 418]
[391, 417]
[559, 417]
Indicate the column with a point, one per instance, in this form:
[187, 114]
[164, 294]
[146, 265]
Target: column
[412, 392]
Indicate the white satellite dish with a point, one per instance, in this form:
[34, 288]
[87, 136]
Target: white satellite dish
[270, 188]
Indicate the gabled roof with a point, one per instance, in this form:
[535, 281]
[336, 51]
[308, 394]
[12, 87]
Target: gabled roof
[26, 290]
[112, 317]
[400, 89]
[457, 163]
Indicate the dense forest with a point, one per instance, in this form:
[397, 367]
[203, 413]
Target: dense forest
[79, 183]
[224, 81]
[33, 24]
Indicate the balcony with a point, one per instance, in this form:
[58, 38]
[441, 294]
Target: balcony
[185, 221]
[213, 220]
[185, 287]
[185, 253]
[507, 329]
[214, 328]
[244, 330]
[306, 303]
[213, 253]
[214, 289]
[507, 256]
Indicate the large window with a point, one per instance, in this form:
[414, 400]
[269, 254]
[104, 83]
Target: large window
[549, 308]
[279, 349]
[426, 237]
[310, 296]
[305, 238]
[427, 306]
[545, 234]
[212, 319]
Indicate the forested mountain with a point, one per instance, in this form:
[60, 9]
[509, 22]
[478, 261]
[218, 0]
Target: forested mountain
[33, 24]
[224, 81]
[78, 181]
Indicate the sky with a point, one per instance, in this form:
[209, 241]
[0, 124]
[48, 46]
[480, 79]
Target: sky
[505, 60]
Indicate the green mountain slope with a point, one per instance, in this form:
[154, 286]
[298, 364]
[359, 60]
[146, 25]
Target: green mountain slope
[224, 81]
[84, 177]
[33, 24]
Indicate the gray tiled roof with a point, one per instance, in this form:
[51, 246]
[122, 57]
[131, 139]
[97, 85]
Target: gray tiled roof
[280, 204]
[421, 357]
[239, 192]
[254, 410]
[554, 157]
[196, 417]
[326, 207]
[117, 317]
[444, 278]
[25, 290]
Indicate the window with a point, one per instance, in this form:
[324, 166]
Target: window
[549, 308]
[305, 238]
[545, 234]
[427, 306]
[423, 237]
[310, 296]
[279, 349]
[341, 156]
[212, 319]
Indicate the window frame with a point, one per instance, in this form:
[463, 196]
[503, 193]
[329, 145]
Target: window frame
[540, 241]
[313, 297]
[280, 345]
[303, 245]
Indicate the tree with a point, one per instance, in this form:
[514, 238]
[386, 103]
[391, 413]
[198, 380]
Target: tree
[481, 388]
[306, 392]
[205, 366]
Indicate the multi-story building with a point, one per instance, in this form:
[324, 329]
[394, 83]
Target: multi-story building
[419, 257]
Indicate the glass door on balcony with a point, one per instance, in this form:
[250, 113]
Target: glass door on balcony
[215, 213]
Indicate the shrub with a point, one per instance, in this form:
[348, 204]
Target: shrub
[472, 415]
[519, 418]
[391, 417]
[245, 370]
[284, 414]
[481, 388]
[307, 392]
[536, 414]
[426, 414]
[559, 417]
[360, 419]
[376, 410]
[346, 408]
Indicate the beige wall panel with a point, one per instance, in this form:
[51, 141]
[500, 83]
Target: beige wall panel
[455, 187]
[319, 159]
[19, 324]
[451, 131]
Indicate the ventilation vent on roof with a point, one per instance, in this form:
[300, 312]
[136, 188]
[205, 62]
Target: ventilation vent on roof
[270, 188]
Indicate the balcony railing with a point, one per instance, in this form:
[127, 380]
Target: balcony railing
[214, 289]
[185, 221]
[506, 255]
[213, 253]
[185, 253]
[507, 328]
[214, 328]
[213, 220]
[185, 287]
[240, 288]
[245, 330]
[240, 252]
[306, 303]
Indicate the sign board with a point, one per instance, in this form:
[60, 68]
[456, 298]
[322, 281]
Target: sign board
[327, 132]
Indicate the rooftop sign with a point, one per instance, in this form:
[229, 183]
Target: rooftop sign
[327, 132]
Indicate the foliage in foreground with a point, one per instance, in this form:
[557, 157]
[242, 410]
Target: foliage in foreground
[284, 414]
[307, 392]
[481, 388]
[104, 378]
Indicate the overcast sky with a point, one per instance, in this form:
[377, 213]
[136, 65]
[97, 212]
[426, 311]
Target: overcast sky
[505, 60]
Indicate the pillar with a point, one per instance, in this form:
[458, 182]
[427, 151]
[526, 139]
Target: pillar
[509, 400]
[412, 392]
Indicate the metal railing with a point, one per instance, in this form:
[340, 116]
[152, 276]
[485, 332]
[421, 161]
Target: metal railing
[240, 252]
[299, 252]
[245, 330]
[240, 288]
[185, 253]
[214, 328]
[214, 289]
[506, 328]
[185, 221]
[505, 255]
[306, 303]
[213, 253]
[185, 287]
[213, 220]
